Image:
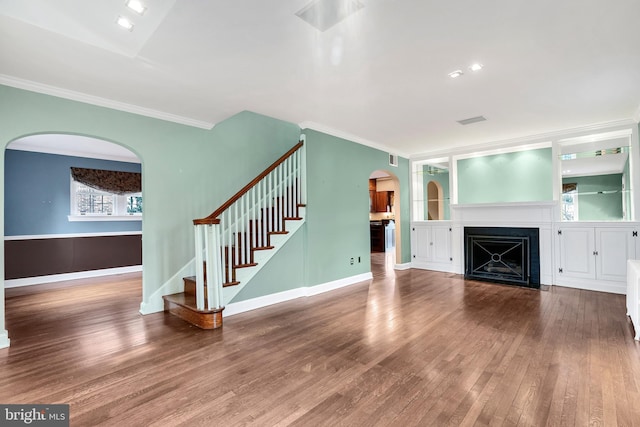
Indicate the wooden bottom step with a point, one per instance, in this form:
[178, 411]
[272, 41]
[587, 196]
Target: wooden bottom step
[183, 305]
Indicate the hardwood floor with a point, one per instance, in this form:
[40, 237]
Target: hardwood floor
[409, 348]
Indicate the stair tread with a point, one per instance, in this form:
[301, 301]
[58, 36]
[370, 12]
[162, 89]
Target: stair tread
[263, 248]
[235, 283]
[278, 232]
[187, 301]
[252, 264]
[293, 218]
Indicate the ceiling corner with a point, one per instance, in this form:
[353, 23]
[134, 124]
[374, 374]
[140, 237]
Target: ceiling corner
[636, 115]
[350, 137]
[45, 89]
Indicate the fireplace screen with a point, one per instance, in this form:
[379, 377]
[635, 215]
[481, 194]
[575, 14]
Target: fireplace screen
[509, 255]
[498, 258]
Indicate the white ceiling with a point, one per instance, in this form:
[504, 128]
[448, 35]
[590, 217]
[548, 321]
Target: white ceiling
[379, 76]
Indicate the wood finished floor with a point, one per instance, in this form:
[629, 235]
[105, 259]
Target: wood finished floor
[409, 348]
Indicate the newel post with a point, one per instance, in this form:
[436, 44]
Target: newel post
[209, 264]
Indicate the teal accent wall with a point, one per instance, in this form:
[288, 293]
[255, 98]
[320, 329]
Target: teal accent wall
[187, 172]
[523, 176]
[38, 194]
[593, 203]
[443, 179]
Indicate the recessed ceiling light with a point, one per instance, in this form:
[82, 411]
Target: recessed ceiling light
[125, 23]
[475, 67]
[136, 6]
[456, 73]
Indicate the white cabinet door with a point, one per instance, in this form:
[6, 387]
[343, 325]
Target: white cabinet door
[577, 248]
[441, 244]
[421, 243]
[614, 246]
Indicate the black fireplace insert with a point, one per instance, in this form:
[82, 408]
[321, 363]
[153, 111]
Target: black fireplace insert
[506, 255]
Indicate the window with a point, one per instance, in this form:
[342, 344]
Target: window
[93, 204]
[570, 202]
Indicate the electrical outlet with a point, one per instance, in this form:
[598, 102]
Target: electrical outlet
[358, 260]
[351, 262]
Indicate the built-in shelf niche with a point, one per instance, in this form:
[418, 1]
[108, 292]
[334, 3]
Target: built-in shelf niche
[431, 190]
[595, 182]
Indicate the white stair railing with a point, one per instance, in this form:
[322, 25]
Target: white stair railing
[227, 238]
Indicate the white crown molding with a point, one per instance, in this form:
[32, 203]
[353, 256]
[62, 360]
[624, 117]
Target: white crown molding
[350, 137]
[101, 102]
[530, 139]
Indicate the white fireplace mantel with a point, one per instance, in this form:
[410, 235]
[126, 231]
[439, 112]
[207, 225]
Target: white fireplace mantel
[537, 214]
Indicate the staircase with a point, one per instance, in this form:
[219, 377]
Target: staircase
[238, 239]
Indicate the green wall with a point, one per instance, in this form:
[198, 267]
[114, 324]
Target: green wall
[523, 176]
[187, 172]
[278, 275]
[338, 206]
[337, 217]
[593, 204]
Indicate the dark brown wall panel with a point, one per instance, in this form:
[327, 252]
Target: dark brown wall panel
[41, 257]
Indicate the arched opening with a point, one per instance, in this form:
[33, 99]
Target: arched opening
[435, 206]
[58, 229]
[385, 217]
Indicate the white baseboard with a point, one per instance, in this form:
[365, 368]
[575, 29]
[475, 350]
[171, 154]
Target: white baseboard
[593, 285]
[264, 301]
[434, 266]
[336, 284]
[39, 280]
[4, 339]
[405, 266]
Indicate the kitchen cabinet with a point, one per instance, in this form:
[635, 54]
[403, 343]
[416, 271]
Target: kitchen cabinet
[593, 254]
[383, 201]
[379, 201]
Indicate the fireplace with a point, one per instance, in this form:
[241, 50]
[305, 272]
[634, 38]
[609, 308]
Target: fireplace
[506, 255]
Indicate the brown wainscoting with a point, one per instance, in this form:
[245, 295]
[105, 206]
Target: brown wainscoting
[42, 257]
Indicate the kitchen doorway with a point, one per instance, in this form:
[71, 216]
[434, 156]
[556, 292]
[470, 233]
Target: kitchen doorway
[384, 218]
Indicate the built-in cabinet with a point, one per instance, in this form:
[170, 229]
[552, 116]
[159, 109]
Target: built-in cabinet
[431, 245]
[578, 193]
[595, 256]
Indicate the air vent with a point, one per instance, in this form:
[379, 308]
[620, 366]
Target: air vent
[472, 120]
[393, 160]
[324, 14]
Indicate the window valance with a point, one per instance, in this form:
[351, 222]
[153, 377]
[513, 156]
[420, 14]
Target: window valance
[115, 182]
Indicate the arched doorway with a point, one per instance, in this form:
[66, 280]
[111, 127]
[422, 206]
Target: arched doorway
[435, 208]
[385, 212]
[77, 231]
